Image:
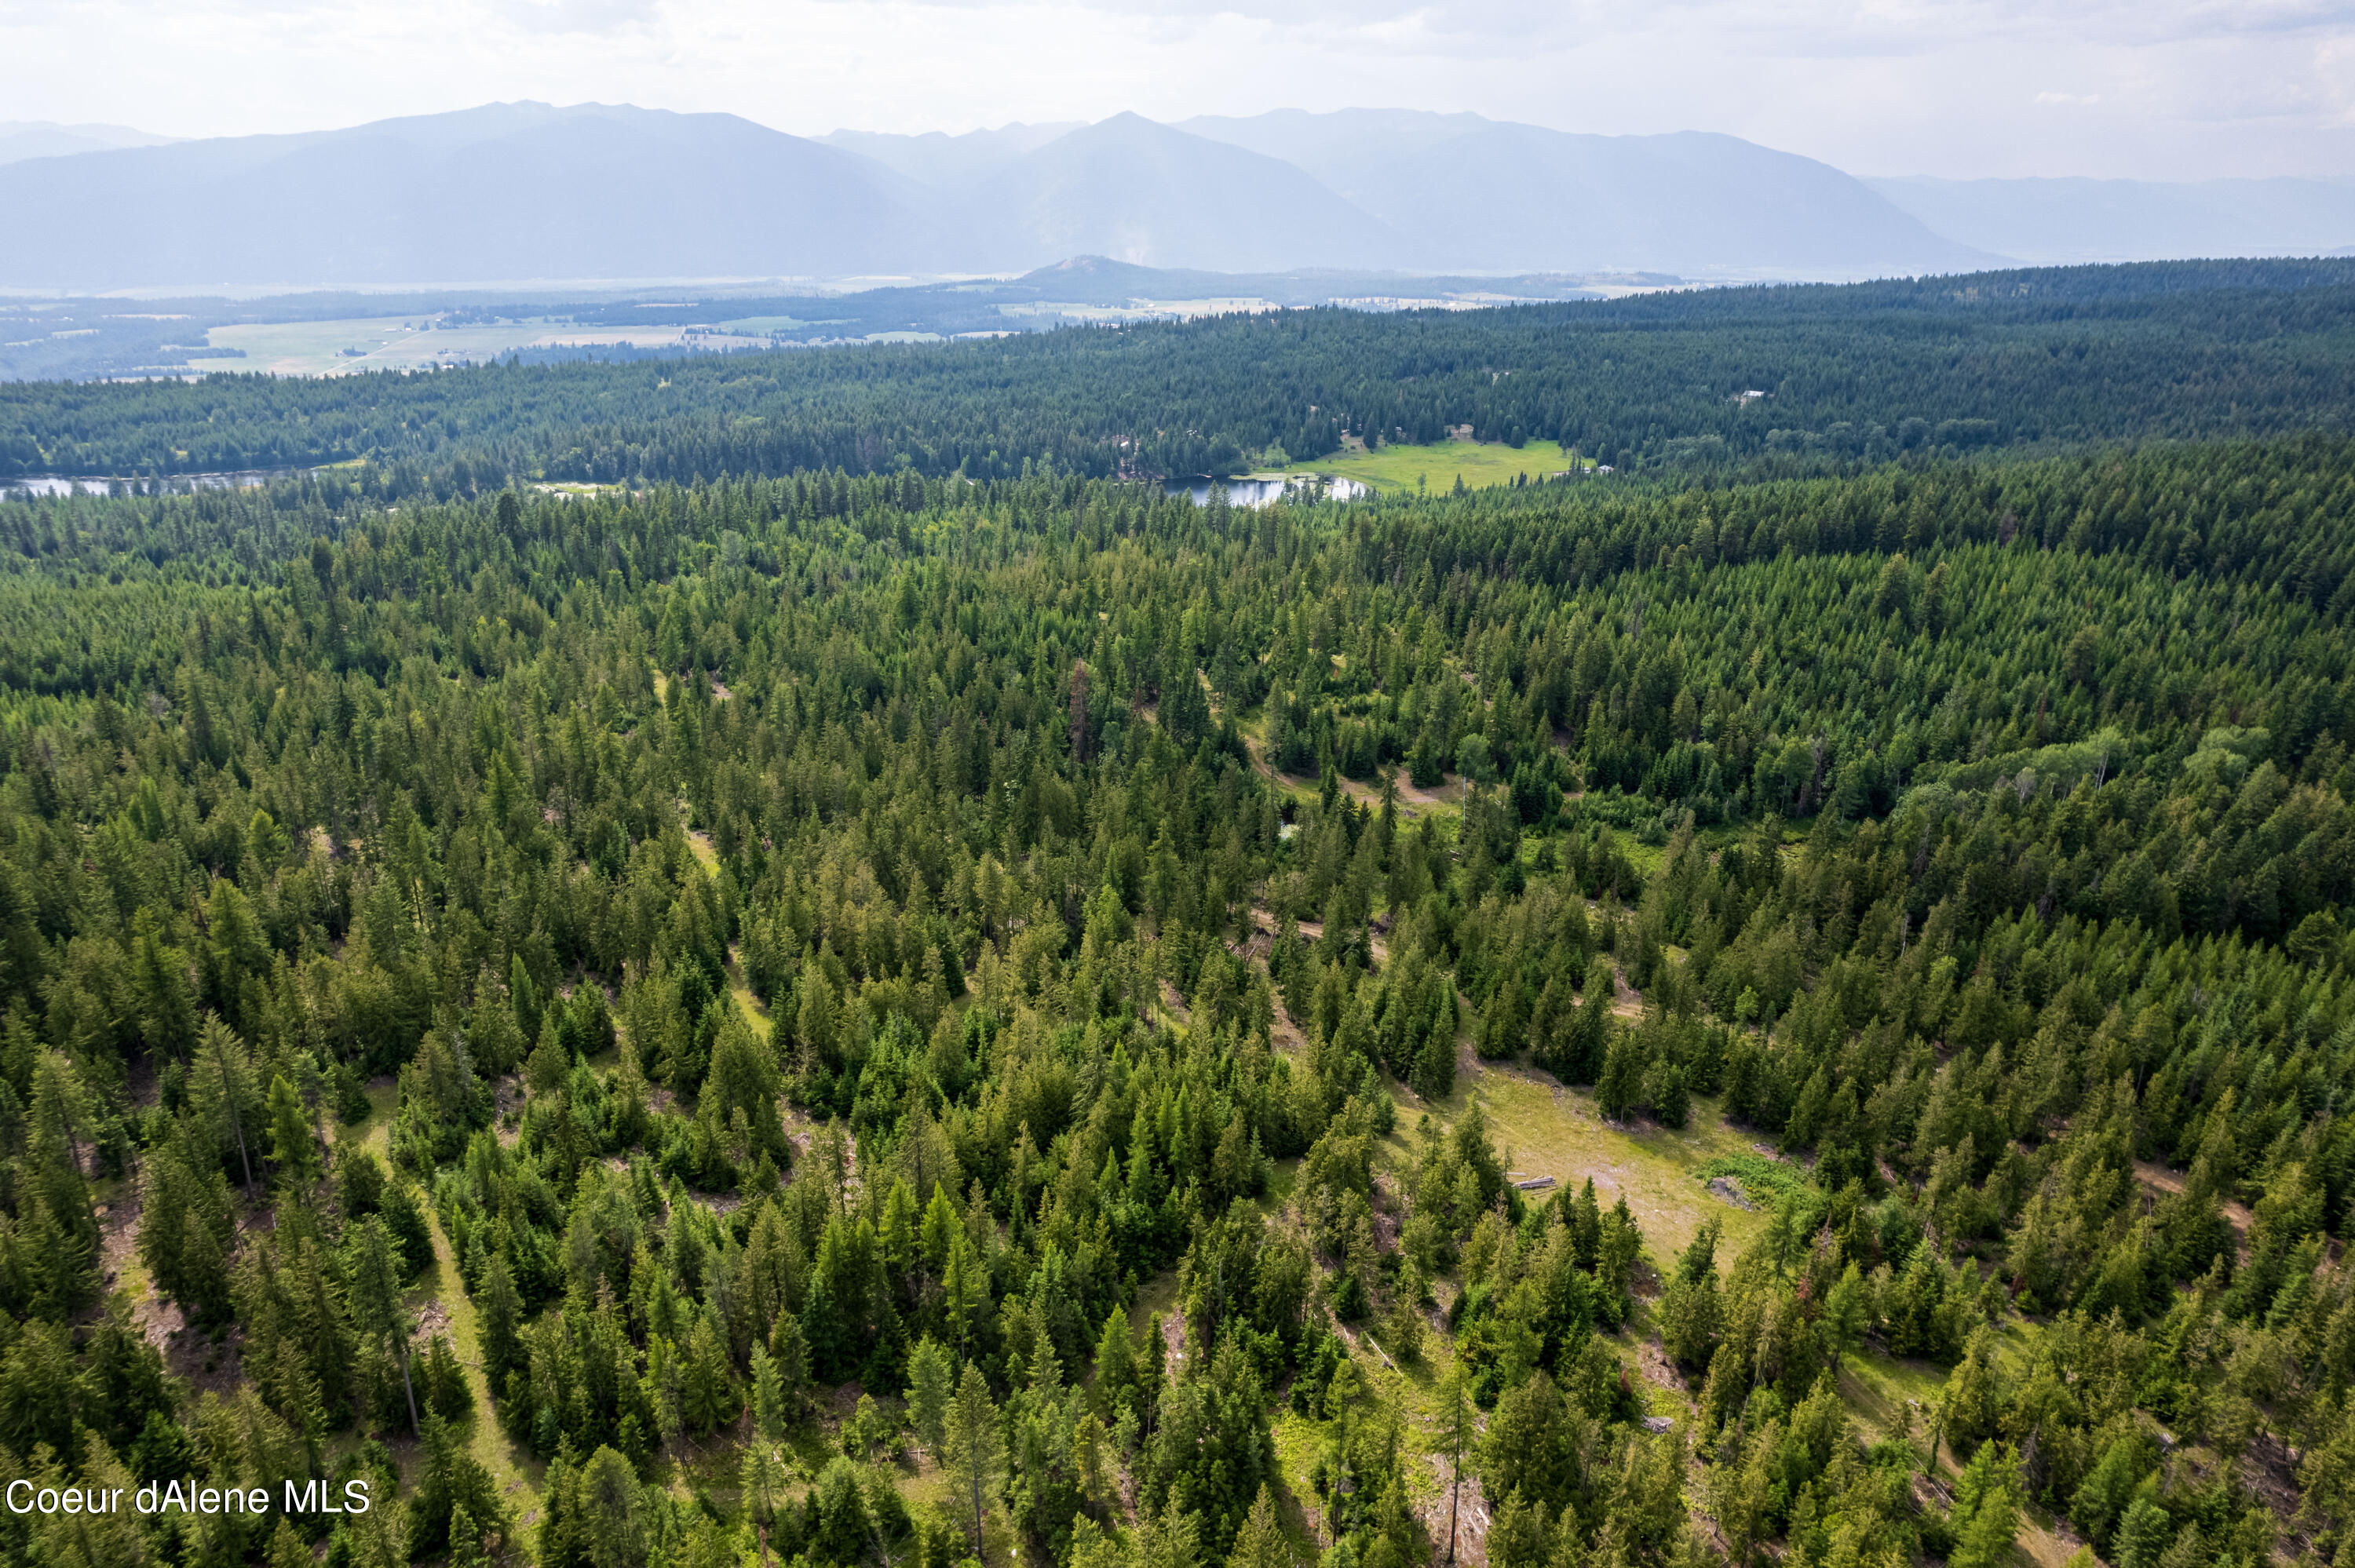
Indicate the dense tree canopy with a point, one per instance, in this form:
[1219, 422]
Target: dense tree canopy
[588, 981]
[1858, 372]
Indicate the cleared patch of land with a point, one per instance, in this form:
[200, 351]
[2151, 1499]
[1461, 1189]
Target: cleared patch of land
[1437, 467]
[1544, 1129]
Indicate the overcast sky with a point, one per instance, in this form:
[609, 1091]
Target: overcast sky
[2155, 88]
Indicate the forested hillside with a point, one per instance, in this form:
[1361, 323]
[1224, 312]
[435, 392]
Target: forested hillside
[885, 1019]
[1862, 372]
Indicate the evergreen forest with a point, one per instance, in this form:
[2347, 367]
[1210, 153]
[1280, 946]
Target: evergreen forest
[789, 1010]
[1847, 374]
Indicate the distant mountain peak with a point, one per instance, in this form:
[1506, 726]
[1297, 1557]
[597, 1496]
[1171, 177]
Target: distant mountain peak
[497, 193]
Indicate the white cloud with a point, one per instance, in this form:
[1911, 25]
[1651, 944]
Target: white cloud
[578, 16]
[2154, 88]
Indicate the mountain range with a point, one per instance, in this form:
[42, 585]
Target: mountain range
[22, 139]
[522, 192]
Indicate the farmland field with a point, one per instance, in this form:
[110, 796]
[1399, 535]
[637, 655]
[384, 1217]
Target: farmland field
[393, 343]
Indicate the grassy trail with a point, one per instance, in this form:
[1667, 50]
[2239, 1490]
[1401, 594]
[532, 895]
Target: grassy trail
[518, 1475]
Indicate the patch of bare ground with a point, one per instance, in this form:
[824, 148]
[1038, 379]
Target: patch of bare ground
[1653, 1363]
[1470, 1514]
[2159, 1179]
[1390, 1203]
[2046, 1544]
[1359, 1340]
[1286, 1034]
[1626, 1001]
[207, 1365]
[1173, 1338]
[1413, 801]
[160, 1322]
[837, 1405]
[2269, 1468]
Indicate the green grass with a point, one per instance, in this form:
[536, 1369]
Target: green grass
[514, 1470]
[1542, 1128]
[1877, 1388]
[1437, 466]
[1767, 1181]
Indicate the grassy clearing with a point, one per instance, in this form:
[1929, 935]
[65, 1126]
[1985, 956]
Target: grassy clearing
[1437, 466]
[519, 1477]
[1445, 801]
[1544, 1129]
[1879, 1387]
[1298, 1442]
[755, 1010]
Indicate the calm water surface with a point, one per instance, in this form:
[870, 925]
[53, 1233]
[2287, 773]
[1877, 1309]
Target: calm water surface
[1263, 492]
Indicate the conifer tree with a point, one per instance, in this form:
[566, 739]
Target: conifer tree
[974, 1452]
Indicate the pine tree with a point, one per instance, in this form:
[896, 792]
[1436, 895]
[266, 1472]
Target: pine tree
[763, 1480]
[931, 1384]
[293, 1149]
[1986, 1518]
[223, 1082]
[708, 1389]
[499, 1322]
[1458, 1429]
[768, 1413]
[973, 1451]
[447, 1392]
[287, 1547]
[613, 1526]
[1261, 1542]
[374, 1295]
[453, 1485]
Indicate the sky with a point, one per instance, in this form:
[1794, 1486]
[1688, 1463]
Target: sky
[1964, 88]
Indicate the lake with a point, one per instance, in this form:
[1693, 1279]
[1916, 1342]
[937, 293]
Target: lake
[1265, 492]
[86, 484]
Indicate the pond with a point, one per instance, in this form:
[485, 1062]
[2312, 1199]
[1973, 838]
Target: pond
[1265, 492]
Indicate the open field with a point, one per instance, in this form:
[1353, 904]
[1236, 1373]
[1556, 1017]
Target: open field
[1544, 1129]
[1437, 467]
[396, 342]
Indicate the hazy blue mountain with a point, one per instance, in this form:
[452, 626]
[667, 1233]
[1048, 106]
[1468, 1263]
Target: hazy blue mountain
[22, 139]
[943, 161]
[524, 192]
[2062, 220]
[1497, 195]
[1135, 191]
[505, 192]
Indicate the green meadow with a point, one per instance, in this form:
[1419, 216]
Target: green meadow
[1437, 466]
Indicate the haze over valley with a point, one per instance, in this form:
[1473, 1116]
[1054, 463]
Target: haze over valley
[526, 193]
